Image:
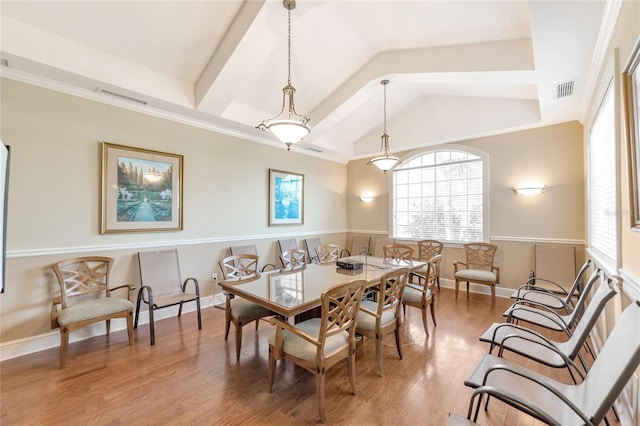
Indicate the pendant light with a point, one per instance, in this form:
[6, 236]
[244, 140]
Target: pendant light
[290, 127]
[386, 160]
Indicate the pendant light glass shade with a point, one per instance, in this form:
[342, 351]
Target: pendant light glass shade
[288, 126]
[385, 161]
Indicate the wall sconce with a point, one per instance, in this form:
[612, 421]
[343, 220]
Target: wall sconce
[529, 189]
[367, 197]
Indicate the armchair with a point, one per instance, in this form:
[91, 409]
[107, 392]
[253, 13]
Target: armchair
[478, 268]
[85, 298]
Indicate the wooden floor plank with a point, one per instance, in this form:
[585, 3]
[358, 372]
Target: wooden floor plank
[191, 377]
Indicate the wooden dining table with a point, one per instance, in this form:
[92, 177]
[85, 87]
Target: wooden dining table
[292, 292]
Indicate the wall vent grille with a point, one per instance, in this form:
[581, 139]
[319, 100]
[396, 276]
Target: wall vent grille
[562, 90]
[121, 96]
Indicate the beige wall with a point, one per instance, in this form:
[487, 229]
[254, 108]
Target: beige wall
[54, 196]
[553, 155]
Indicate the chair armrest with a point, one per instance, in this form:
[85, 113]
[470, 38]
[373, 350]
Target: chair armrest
[343, 251]
[129, 288]
[557, 320]
[54, 311]
[281, 324]
[419, 288]
[529, 286]
[195, 283]
[417, 274]
[526, 406]
[545, 343]
[523, 297]
[496, 269]
[271, 267]
[456, 263]
[374, 314]
[516, 402]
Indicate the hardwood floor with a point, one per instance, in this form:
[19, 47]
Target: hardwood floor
[191, 377]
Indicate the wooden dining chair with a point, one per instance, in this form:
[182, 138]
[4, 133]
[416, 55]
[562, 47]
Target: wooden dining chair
[420, 295]
[294, 258]
[381, 316]
[397, 252]
[85, 298]
[327, 253]
[239, 311]
[317, 344]
[479, 268]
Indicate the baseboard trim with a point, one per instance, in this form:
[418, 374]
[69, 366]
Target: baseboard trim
[21, 347]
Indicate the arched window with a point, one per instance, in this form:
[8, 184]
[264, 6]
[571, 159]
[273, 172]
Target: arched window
[441, 194]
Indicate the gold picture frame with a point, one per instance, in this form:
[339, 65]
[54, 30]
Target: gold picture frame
[286, 198]
[141, 190]
[631, 87]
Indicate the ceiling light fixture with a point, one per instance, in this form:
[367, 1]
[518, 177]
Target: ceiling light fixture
[289, 127]
[386, 160]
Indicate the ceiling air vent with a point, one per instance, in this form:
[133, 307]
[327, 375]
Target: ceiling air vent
[310, 148]
[562, 90]
[121, 96]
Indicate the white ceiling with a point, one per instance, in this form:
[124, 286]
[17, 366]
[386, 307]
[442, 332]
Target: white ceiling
[457, 69]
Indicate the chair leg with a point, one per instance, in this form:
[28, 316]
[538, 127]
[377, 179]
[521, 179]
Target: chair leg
[320, 392]
[64, 344]
[424, 320]
[493, 295]
[457, 288]
[238, 340]
[108, 326]
[398, 345]
[135, 323]
[351, 361]
[152, 329]
[257, 322]
[379, 353]
[271, 371]
[433, 312]
[199, 315]
[467, 290]
[130, 327]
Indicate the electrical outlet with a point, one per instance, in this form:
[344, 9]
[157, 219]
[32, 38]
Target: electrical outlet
[214, 276]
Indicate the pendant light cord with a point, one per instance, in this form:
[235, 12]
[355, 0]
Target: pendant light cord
[289, 50]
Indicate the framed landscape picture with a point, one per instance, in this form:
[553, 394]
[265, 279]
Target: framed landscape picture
[286, 198]
[141, 190]
[631, 81]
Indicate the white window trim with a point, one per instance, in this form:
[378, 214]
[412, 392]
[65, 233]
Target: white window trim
[611, 78]
[486, 234]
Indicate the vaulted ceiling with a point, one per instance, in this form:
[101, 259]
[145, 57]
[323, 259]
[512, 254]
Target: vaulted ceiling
[457, 69]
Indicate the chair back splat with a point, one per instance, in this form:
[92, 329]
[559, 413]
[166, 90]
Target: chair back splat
[327, 253]
[397, 252]
[294, 259]
[162, 286]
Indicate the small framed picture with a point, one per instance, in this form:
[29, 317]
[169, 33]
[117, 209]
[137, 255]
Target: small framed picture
[286, 198]
[141, 190]
[631, 81]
